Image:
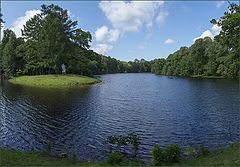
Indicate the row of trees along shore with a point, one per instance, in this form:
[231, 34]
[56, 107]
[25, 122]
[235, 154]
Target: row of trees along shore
[51, 39]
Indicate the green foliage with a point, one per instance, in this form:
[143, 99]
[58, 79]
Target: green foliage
[120, 140]
[206, 57]
[172, 154]
[203, 150]
[134, 139]
[115, 158]
[190, 152]
[158, 156]
[74, 158]
[51, 39]
[222, 157]
[49, 147]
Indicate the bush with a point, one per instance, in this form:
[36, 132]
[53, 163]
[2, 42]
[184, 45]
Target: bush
[48, 148]
[115, 158]
[120, 140]
[158, 155]
[203, 150]
[173, 153]
[191, 152]
[134, 139]
[74, 158]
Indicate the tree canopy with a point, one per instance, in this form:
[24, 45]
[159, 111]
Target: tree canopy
[51, 38]
[207, 57]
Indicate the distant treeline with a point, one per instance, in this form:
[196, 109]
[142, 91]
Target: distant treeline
[51, 39]
[207, 57]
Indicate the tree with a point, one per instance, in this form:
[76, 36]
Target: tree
[9, 53]
[55, 36]
[229, 38]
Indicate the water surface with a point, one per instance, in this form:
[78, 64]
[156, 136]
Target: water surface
[161, 110]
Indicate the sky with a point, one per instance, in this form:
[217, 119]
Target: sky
[127, 30]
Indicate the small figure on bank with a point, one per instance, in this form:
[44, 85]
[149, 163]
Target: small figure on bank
[63, 69]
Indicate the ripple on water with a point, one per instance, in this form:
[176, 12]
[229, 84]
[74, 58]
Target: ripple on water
[160, 110]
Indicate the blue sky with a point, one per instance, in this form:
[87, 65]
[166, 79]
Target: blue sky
[129, 30]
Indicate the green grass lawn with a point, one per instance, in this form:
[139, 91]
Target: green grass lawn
[53, 80]
[223, 157]
[229, 156]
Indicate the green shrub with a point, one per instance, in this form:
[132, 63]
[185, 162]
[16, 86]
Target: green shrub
[172, 153]
[115, 158]
[74, 158]
[158, 156]
[203, 150]
[48, 148]
[120, 141]
[134, 139]
[190, 152]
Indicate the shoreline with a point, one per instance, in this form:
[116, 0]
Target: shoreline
[54, 80]
[227, 156]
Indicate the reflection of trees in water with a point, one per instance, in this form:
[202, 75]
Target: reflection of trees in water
[37, 115]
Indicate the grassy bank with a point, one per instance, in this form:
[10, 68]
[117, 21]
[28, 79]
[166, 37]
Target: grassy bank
[54, 80]
[223, 157]
[229, 156]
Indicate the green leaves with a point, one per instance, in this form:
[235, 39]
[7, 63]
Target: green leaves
[54, 37]
[120, 140]
[206, 57]
[169, 155]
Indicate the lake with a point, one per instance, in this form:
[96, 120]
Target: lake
[161, 110]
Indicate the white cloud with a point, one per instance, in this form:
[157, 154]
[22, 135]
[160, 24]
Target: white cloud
[206, 33]
[169, 41]
[130, 16]
[219, 4]
[215, 30]
[161, 17]
[127, 16]
[70, 14]
[2, 29]
[102, 48]
[20, 21]
[104, 34]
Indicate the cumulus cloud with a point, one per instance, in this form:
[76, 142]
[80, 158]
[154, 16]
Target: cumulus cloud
[206, 33]
[130, 16]
[215, 30]
[104, 34]
[169, 41]
[102, 48]
[219, 4]
[127, 16]
[20, 21]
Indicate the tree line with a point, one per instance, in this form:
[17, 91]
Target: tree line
[207, 57]
[51, 39]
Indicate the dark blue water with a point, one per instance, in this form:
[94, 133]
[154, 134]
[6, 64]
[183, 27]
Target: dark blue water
[159, 109]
